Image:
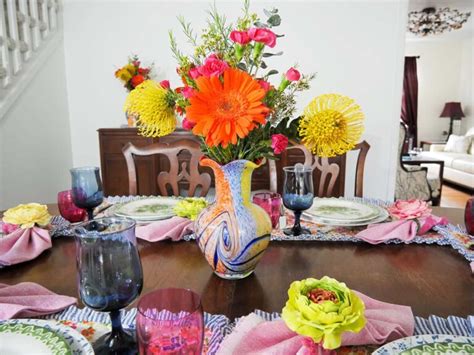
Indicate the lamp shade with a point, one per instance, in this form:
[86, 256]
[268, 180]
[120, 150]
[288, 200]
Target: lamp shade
[452, 110]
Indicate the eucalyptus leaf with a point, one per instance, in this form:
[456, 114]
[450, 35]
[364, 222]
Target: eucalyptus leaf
[266, 55]
[279, 36]
[274, 20]
[242, 66]
[267, 13]
[261, 24]
[272, 72]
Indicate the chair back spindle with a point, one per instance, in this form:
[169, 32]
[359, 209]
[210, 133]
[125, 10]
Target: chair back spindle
[186, 171]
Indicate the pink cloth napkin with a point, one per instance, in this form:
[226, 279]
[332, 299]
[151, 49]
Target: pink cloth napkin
[23, 245]
[252, 335]
[174, 228]
[404, 230]
[28, 299]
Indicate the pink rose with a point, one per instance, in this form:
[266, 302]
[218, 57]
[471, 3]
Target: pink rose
[7, 228]
[293, 75]
[188, 125]
[240, 37]
[187, 92]
[410, 209]
[213, 66]
[194, 73]
[265, 85]
[165, 84]
[279, 143]
[262, 35]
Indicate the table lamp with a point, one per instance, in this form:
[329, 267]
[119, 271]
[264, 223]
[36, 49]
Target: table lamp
[452, 110]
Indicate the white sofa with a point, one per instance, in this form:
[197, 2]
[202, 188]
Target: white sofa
[458, 167]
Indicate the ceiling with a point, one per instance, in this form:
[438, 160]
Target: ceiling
[467, 30]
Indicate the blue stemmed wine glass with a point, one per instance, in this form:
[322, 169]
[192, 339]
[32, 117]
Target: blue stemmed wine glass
[298, 194]
[110, 276]
[87, 190]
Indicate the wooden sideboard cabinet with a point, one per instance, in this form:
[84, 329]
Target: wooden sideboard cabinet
[114, 169]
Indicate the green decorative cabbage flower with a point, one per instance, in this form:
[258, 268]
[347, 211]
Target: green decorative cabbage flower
[190, 207]
[323, 310]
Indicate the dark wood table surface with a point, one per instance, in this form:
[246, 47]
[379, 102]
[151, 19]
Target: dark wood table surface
[431, 279]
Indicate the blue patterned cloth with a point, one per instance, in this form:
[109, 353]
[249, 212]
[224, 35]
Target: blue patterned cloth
[447, 233]
[220, 325]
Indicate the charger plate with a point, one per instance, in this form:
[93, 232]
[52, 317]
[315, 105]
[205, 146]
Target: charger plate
[428, 344]
[75, 343]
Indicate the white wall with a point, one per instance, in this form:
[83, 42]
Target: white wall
[35, 146]
[356, 47]
[444, 75]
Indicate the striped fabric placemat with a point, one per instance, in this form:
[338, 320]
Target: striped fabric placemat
[219, 325]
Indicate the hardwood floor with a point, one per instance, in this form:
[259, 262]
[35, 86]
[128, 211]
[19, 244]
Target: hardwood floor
[452, 197]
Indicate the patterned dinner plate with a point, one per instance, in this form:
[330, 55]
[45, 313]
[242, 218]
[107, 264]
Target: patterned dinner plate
[342, 211]
[75, 343]
[19, 338]
[147, 209]
[429, 344]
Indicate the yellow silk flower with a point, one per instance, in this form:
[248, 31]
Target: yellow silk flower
[331, 125]
[27, 215]
[155, 111]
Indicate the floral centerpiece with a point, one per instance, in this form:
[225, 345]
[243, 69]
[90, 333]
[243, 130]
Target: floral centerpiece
[131, 75]
[243, 111]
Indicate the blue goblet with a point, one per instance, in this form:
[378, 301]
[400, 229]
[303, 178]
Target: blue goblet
[297, 194]
[110, 276]
[87, 190]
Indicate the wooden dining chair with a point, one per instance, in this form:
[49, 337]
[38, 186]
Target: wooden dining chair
[188, 171]
[330, 171]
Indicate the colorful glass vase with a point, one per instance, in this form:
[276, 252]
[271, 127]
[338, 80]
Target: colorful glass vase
[233, 232]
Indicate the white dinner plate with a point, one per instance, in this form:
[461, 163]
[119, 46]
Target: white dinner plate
[383, 216]
[428, 344]
[76, 343]
[148, 209]
[342, 211]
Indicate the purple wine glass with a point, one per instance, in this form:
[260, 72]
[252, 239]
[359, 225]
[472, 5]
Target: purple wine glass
[87, 190]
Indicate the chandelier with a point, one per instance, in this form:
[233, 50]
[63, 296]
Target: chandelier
[431, 21]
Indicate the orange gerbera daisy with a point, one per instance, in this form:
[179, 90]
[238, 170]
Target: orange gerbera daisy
[223, 111]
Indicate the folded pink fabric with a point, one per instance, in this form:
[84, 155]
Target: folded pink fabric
[252, 335]
[28, 299]
[174, 228]
[404, 230]
[23, 245]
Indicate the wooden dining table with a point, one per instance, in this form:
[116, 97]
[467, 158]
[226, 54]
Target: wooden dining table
[432, 279]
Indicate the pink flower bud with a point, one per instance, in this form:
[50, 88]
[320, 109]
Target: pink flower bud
[165, 84]
[293, 75]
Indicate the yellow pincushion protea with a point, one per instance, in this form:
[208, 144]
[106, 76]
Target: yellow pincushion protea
[27, 215]
[331, 125]
[151, 103]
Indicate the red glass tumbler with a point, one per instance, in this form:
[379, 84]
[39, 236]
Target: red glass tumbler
[271, 203]
[469, 216]
[68, 209]
[170, 321]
